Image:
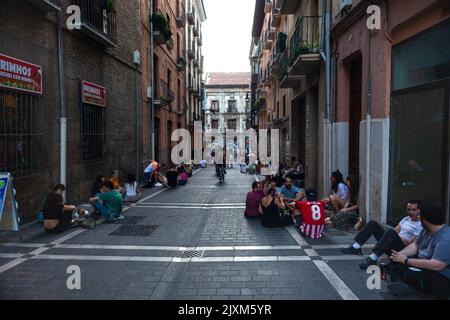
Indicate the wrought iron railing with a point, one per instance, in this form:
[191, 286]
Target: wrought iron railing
[100, 18]
[306, 37]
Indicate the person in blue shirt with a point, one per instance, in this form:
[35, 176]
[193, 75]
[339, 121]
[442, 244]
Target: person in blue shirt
[290, 193]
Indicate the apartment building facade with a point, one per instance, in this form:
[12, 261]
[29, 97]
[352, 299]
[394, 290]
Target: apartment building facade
[99, 88]
[391, 125]
[382, 113]
[227, 100]
[196, 15]
[286, 61]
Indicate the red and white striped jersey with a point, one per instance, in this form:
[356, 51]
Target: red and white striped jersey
[313, 217]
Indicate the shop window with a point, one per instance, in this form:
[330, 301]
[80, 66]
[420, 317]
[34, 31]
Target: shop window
[21, 135]
[93, 132]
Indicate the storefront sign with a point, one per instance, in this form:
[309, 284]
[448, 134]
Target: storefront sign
[93, 94]
[20, 75]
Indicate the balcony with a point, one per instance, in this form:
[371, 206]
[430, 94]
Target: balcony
[191, 13]
[272, 33]
[276, 17]
[98, 23]
[268, 6]
[47, 5]
[288, 6]
[181, 61]
[305, 46]
[161, 30]
[287, 80]
[192, 50]
[195, 31]
[200, 41]
[166, 94]
[181, 16]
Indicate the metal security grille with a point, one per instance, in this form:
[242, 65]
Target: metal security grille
[130, 230]
[92, 132]
[20, 133]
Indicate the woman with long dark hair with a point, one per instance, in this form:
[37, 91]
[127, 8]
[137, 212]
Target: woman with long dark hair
[97, 185]
[270, 209]
[131, 191]
[340, 191]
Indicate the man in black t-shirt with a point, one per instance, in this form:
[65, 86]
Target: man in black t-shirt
[172, 177]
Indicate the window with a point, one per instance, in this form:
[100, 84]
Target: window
[232, 106]
[232, 124]
[215, 124]
[92, 132]
[20, 133]
[214, 106]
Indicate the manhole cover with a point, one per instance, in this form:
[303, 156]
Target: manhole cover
[130, 230]
[127, 220]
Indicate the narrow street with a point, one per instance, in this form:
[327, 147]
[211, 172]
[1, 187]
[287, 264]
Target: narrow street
[189, 243]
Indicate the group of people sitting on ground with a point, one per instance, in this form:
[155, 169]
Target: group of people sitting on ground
[130, 190]
[418, 248]
[153, 177]
[279, 204]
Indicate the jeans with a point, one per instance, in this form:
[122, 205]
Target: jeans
[105, 212]
[147, 176]
[429, 281]
[387, 239]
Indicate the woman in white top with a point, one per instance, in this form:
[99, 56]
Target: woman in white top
[340, 195]
[131, 192]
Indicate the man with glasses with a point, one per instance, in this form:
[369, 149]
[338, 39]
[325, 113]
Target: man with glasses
[389, 239]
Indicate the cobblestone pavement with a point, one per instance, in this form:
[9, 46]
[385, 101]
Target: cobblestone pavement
[186, 243]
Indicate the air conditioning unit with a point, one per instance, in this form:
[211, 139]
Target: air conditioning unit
[345, 4]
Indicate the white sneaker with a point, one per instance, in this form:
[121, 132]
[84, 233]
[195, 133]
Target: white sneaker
[158, 184]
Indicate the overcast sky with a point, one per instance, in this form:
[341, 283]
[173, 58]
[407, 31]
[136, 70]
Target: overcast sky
[227, 35]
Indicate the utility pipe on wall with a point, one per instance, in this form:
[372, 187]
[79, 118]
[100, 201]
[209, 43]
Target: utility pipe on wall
[63, 116]
[368, 125]
[152, 99]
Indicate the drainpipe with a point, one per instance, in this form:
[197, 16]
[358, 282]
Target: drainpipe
[326, 41]
[63, 116]
[152, 98]
[368, 126]
[138, 101]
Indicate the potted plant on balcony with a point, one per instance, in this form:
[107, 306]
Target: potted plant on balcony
[314, 48]
[160, 24]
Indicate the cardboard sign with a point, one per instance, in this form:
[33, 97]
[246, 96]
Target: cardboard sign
[20, 75]
[9, 220]
[93, 94]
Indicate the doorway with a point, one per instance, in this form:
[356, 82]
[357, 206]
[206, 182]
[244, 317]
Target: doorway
[355, 117]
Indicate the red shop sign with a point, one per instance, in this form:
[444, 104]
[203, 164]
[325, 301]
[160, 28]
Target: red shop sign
[93, 94]
[20, 75]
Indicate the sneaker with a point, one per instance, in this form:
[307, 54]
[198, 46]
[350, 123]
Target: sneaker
[158, 184]
[359, 224]
[351, 250]
[369, 262]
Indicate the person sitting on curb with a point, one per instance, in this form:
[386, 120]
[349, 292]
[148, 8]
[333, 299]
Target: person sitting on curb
[115, 181]
[57, 215]
[183, 177]
[388, 239]
[253, 201]
[425, 263]
[310, 215]
[290, 194]
[340, 192]
[270, 209]
[172, 177]
[131, 192]
[109, 203]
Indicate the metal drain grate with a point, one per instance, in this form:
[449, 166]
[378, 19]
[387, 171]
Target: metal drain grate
[130, 230]
[193, 254]
[184, 254]
[127, 220]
